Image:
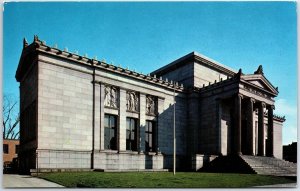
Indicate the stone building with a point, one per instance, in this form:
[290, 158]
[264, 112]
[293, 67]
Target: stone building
[81, 113]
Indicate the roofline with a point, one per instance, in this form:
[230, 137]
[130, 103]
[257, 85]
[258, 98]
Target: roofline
[196, 57]
[40, 46]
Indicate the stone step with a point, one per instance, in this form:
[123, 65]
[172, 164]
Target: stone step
[270, 165]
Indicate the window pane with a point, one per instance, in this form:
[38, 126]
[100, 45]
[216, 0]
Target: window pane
[5, 148]
[112, 122]
[127, 144]
[127, 134]
[150, 126]
[150, 140]
[106, 119]
[110, 132]
[128, 123]
[106, 138]
[146, 127]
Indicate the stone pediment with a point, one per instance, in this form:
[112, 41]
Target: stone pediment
[259, 80]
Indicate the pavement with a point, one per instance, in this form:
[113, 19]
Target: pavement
[25, 181]
[289, 185]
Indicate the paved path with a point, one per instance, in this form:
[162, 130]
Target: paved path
[289, 185]
[17, 181]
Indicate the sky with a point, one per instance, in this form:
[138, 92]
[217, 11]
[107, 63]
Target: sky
[145, 36]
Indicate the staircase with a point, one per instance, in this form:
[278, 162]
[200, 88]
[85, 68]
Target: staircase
[270, 166]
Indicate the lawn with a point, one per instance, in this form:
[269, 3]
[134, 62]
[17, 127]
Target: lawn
[161, 180]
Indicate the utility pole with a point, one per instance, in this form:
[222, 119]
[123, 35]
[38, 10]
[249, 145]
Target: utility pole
[174, 136]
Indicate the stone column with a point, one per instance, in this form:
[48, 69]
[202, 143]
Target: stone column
[238, 124]
[122, 121]
[102, 94]
[142, 121]
[270, 147]
[250, 136]
[261, 130]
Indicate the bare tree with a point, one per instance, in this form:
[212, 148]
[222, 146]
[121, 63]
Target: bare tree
[11, 118]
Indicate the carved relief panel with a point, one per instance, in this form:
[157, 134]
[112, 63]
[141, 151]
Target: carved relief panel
[111, 96]
[132, 100]
[150, 105]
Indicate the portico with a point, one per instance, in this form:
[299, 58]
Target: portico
[244, 111]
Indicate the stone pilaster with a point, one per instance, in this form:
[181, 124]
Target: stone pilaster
[101, 115]
[219, 124]
[270, 150]
[97, 116]
[122, 121]
[261, 130]
[250, 137]
[160, 121]
[142, 121]
[238, 124]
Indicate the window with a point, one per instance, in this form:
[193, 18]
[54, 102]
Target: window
[110, 132]
[17, 149]
[150, 136]
[5, 148]
[131, 134]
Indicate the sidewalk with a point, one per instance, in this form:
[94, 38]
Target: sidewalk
[25, 181]
[290, 185]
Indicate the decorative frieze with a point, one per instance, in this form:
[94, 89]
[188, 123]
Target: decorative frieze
[249, 89]
[150, 105]
[111, 96]
[132, 100]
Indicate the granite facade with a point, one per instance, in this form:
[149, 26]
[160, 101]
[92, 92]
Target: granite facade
[76, 97]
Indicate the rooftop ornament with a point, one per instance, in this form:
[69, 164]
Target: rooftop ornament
[25, 43]
[259, 70]
[35, 38]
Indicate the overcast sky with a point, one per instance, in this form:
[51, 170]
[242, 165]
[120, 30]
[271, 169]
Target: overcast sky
[145, 36]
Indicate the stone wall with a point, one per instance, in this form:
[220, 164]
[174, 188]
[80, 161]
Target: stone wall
[65, 118]
[204, 75]
[277, 139]
[208, 140]
[110, 160]
[183, 74]
[64, 106]
[28, 99]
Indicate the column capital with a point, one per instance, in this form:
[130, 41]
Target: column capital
[240, 95]
[263, 104]
[252, 99]
[271, 107]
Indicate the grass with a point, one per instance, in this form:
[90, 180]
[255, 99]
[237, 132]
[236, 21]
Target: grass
[161, 180]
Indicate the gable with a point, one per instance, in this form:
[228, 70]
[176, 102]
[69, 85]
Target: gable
[260, 81]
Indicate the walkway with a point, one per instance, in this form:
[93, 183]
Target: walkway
[25, 181]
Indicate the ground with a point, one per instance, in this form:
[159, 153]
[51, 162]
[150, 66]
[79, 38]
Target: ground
[25, 181]
[162, 180]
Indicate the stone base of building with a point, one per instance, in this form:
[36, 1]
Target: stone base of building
[110, 160]
[66, 160]
[200, 160]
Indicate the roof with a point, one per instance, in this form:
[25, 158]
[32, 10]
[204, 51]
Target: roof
[196, 57]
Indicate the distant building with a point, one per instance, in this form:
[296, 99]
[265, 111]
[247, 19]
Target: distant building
[10, 150]
[290, 152]
[81, 113]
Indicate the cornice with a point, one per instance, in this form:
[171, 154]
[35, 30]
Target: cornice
[41, 46]
[194, 57]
